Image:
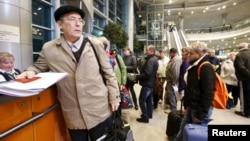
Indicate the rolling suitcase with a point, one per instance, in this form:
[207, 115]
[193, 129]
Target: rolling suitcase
[195, 132]
[174, 122]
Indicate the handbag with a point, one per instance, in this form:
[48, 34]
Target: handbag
[131, 77]
[126, 101]
[120, 130]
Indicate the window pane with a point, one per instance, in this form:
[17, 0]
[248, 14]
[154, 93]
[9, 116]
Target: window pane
[41, 14]
[40, 36]
[99, 5]
[98, 21]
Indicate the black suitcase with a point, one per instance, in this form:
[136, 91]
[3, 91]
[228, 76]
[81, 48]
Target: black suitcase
[174, 122]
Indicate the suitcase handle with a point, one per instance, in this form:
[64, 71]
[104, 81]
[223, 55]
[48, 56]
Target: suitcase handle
[181, 108]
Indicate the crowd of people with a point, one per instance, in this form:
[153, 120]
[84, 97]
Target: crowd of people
[97, 74]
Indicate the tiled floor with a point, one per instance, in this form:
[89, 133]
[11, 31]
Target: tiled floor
[155, 129]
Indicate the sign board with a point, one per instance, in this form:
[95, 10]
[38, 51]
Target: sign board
[9, 33]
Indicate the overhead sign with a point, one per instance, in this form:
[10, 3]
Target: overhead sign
[9, 33]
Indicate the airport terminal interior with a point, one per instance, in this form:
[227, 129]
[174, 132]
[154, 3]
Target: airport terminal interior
[166, 24]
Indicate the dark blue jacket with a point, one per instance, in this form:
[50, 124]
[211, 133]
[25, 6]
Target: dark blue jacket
[183, 68]
[148, 71]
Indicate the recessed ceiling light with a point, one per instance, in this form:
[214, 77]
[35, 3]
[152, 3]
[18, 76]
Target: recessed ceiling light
[223, 7]
[192, 12]
[207, 8]
[234, 3]
[218, 8]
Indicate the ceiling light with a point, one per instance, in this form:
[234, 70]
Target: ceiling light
[192, 12]
[179, 13]
[218, 8]
[204, 11]
[139, 16]
[223, 7]
[207, 8]
[170, 1]
[234, 3]
[39, 8]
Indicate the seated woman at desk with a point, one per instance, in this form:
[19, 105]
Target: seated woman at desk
[7, 70]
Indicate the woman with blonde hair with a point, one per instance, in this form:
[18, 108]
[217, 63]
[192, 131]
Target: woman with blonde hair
[7, 70]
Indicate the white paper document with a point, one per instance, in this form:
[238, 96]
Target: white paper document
[177, 94]
[19, 89]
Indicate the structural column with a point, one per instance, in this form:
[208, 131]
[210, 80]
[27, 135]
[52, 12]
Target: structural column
[181, 21]
[224, 18]
[15, 31]
[131, 24]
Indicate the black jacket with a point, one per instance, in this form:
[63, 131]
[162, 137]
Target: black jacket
[199, 93]
[131, 63]
[148, 71]
[242, 65]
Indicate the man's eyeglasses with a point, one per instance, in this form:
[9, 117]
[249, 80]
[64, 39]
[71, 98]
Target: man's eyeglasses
[74, 20]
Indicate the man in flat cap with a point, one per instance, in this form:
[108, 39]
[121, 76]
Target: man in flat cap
[242, 71]
[86, 100]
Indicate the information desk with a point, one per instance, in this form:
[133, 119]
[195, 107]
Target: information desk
[34, 118]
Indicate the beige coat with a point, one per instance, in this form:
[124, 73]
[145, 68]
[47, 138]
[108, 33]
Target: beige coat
[228, 73]
[84, 98]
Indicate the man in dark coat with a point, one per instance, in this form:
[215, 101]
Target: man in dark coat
[242, 71]
[147, 80]
[199, 92]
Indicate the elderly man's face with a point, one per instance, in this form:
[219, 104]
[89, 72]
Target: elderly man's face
[71, 24]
